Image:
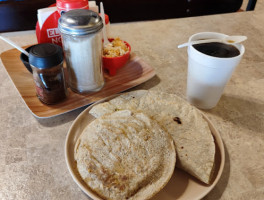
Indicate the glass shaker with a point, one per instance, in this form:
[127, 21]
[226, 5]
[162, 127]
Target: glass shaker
[82, 44]
[46, 61]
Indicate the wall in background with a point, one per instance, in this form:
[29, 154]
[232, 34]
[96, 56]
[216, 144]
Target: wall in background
[16, 15]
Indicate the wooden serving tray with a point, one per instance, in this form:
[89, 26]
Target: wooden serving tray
[135, 72]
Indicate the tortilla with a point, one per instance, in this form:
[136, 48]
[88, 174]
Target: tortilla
[193, 140]
[125, 155]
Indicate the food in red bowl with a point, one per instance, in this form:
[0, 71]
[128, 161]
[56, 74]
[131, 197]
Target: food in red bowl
[115, 55]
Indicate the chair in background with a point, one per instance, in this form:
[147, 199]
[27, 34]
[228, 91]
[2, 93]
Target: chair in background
[251, 5]
[137, 10]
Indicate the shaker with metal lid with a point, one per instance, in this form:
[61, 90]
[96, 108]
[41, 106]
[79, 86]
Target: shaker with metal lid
[82, 43]
[46, 61]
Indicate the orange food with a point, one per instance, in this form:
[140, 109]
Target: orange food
[116, 48]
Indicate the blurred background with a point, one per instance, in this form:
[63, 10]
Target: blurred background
[17, 15]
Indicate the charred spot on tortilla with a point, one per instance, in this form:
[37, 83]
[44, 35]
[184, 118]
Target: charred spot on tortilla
[177, 119]
[137, 162]
[193, 133]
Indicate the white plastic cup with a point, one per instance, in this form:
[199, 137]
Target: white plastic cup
[208, 75]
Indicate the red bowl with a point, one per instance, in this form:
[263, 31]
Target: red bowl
[112, 64]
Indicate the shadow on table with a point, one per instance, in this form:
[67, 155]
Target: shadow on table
[149, 84]
[242, 112]
[218, 190]
[61, 119]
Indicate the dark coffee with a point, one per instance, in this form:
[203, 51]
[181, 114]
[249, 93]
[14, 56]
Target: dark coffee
[217, 49]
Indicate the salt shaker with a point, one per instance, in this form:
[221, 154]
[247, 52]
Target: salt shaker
[46, 61]
[82, 43]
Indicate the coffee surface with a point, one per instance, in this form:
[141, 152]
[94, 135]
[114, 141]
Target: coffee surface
[217, 49]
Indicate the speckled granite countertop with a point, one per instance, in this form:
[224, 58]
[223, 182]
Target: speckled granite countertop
[32, 164]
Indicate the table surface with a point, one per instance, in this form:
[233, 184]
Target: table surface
[32, 164]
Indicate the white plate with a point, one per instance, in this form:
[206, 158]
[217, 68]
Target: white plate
[181, 185]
